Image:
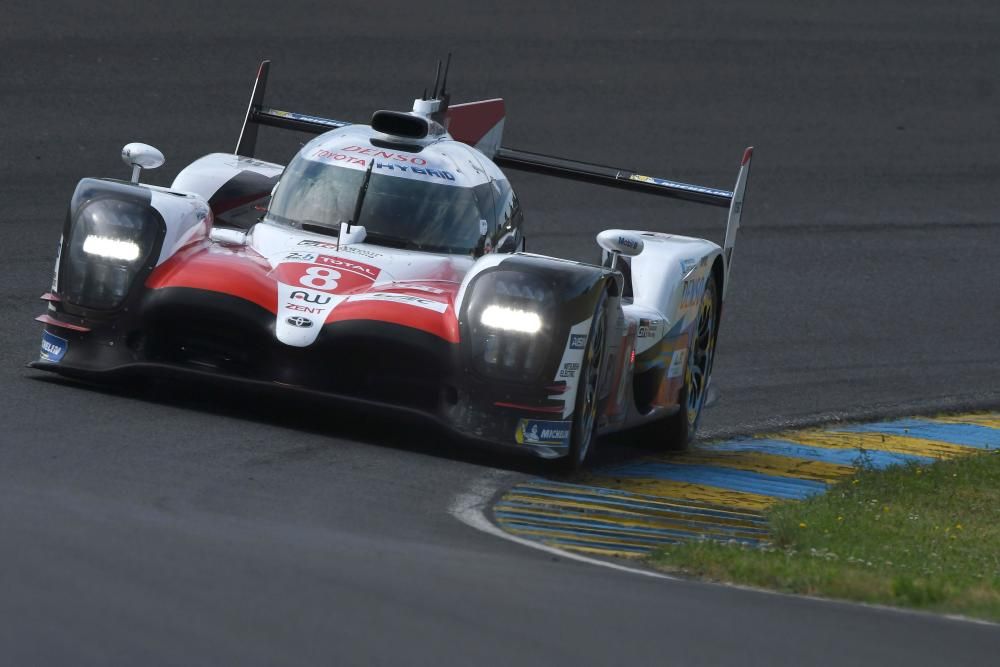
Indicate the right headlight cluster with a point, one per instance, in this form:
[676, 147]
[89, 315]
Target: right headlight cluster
[507, 324]
[113, 234]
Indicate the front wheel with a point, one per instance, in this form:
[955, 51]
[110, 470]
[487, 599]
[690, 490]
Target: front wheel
[584, 427]
[677, 431]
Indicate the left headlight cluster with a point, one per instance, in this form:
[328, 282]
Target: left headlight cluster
[507, 324]
[113, 234]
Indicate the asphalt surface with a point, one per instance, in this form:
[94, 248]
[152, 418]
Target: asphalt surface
[179, 526]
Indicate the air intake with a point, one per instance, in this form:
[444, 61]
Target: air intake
[400, 124]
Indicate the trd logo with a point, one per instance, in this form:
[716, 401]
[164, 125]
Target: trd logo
[318, 299]
[299, 321]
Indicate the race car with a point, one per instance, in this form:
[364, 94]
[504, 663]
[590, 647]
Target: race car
[386, 264]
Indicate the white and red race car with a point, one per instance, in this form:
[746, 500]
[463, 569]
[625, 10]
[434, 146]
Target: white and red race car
[386, 264]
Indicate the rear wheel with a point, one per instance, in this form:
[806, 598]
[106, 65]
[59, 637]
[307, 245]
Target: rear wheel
[677, 431]
[582, 433]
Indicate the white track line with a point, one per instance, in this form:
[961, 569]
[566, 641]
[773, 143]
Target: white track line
[471, 506]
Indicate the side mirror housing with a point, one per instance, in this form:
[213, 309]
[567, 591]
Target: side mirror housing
[617, 242]
[621, 242]
[141, 156]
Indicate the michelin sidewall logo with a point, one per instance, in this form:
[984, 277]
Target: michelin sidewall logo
[536, 432]
[53, 348]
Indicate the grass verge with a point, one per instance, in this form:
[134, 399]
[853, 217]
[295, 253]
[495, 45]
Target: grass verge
[926, 537]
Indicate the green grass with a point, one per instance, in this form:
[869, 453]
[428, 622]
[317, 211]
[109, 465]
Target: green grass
[917, 536]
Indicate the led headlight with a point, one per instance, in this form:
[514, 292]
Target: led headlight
[508, 324]
[113, 234]
[511, 319]
[110, 248]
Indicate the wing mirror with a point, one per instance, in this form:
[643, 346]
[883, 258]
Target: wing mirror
[141, 156]
[619, 242]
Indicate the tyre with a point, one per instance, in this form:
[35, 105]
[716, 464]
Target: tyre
[582, 433]
[677, 431]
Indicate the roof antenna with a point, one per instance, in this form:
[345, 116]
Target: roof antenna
[444, 82]
[437, 79]
[424, 97]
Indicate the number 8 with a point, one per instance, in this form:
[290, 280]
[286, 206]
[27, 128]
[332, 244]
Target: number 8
[320, 277]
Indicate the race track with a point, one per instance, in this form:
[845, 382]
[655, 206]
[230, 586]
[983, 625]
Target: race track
[189, 527]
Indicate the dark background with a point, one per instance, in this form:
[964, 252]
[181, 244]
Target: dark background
[184, 526]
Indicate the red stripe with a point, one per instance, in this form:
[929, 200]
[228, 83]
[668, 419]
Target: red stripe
[218, 269]
[533, 408]
[46, 319]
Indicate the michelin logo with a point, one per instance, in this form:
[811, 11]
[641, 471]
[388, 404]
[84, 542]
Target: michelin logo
[534, 432]
[53, 347]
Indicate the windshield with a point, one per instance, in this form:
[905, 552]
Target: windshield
[400, 212]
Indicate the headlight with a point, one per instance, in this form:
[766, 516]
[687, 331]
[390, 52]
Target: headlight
[110, 248]
[113, 235]
[507, 326]
[511, 319]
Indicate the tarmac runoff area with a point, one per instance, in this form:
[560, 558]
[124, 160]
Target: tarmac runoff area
[718, 490]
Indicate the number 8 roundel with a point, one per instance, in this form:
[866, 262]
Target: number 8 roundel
[329, 274]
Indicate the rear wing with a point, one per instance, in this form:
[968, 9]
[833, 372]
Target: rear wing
[627, 179]
[258, 114]
[480, 124]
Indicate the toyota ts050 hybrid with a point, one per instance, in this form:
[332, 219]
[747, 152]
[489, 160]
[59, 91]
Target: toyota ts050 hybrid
[386, 264]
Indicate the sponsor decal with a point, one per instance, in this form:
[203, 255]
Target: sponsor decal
[626, 242]
[55, 270]
[693, 290]
[688, 265]
[577, 341]
[422, 171]
[408, 299]
[536, 432]
[53, 347]
[677, 363]
[334, 156]
[311, 257]
[312, 310]
[320, 299]
[679, 186]
[648, 328]
[360, 269]
[421, 288]
[568, 370]
[384, 155]
[316, 244]
[347, 276]
[299, 321]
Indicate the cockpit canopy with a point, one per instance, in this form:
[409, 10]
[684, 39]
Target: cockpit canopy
[425, 200]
